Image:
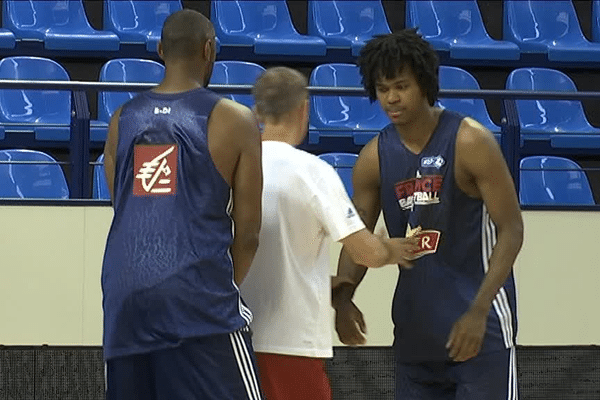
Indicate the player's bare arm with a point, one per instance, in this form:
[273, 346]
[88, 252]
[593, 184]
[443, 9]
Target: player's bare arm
[110, 151]
[481, 172]
[350, 324]
[235, 147]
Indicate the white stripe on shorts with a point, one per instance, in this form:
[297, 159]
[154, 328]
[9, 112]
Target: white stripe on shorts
[245, 365]
[513, 391]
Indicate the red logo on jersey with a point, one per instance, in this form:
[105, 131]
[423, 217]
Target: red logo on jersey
[156, 169]
[428, 241]
[422, 190]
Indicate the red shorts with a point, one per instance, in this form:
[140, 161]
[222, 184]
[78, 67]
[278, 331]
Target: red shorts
[286, 377]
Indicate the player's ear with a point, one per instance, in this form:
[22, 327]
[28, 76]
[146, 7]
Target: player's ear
[160, 50]
[209, 51]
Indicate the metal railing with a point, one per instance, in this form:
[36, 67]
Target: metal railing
[79, 146]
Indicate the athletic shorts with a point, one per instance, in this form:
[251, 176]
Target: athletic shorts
[285, 377]
[219, 367]
[490, 376]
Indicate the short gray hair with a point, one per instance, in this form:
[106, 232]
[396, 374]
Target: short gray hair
[278, 91]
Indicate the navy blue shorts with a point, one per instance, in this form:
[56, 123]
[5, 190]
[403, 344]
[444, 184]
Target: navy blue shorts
[490, 376]
[219, 367]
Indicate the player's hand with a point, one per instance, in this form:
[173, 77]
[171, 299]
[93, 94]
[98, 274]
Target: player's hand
[350, 324]
[466, 336]
[402, 250]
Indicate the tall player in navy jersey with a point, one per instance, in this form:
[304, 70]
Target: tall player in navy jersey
[440, 176]
[184, 170]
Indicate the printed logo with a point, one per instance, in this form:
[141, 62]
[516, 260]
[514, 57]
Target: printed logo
[350, 213]
[162, 110]
[428, 241]
[156, 167]
[435, 162]
[422, 190]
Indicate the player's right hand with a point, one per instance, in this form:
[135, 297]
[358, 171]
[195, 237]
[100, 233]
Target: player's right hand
[350, 324]
[402, 250]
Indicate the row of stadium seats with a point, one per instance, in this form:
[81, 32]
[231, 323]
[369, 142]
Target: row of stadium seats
[543, 179]
[548, 28]
[47, 113]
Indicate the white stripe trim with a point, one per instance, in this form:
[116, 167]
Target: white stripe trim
[513, 391]
[244, 311]
[245, 365]
[500, 302]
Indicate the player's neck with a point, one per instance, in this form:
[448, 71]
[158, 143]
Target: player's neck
[287, 133]
[415, 134]
[178, 79]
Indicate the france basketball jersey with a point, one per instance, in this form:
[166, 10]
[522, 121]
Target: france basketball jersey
[419, 196]
[167, 273]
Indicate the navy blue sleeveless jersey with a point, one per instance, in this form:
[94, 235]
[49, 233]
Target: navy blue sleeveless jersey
[167, 273]
[456, 240]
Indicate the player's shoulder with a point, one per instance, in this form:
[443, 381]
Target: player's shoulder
[230, 113]
[471, 134]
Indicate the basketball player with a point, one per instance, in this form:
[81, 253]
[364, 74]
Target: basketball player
[441, 177]
[178, 158]
[288, 287]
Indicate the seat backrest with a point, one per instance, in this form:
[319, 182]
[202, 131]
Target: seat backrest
[596, 20]
[41, 181]
[350, 111]
[34, 106]
[547, 115]
[31, 18]
[132, 20]
[533, 21]
[236, 73]
[445, 19]
[241, 17]
[553, 180]
[99, 187]
[125, 70]
[361, 19]
[458, 78]
[343, 164]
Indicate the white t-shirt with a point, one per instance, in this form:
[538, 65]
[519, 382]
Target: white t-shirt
[288, 289]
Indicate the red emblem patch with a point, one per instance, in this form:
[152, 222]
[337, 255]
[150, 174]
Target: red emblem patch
[155, 168]
[428, 243]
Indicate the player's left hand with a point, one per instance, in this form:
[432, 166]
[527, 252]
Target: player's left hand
[466, 335]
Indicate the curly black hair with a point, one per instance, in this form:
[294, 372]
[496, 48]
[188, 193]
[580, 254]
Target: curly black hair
[387, 55]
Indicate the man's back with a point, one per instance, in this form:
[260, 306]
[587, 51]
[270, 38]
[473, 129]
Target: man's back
[167, 268]
[288, 286]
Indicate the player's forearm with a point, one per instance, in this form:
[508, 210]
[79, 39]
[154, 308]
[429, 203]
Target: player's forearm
[243, 249]
[501, 263]
[351, 275]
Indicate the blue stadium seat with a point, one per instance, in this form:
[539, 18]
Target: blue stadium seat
[553, 180]
[346, 24]
[121, 70]
[596, 20]
[99, 187]
[343, 164]
[265, 26]
[548, 27]
[61, 25]
[45, 180]
[47, 113]
[236, 73]
[7, 39]
[351, 116]
[458, 78]
[563, 122]
[457, 27]
[138, 22]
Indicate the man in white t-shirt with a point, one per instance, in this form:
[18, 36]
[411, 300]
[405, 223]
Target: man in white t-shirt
[305, 205]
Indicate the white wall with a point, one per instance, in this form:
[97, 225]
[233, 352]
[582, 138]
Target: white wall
[51, 258]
